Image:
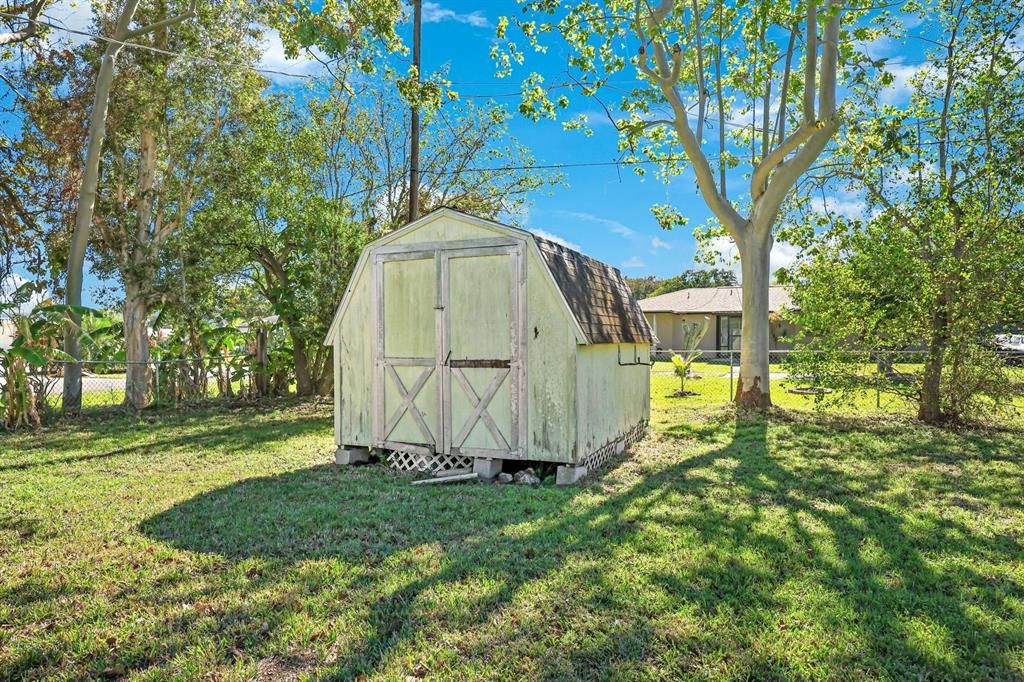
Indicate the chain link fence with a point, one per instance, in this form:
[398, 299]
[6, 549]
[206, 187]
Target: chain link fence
[855, 382]
[872, 381]
[171, 383]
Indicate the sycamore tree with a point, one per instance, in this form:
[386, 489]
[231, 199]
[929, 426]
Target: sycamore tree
[936, 260]
[468, 159]
[119, 26]
[750, 86]
[341, 29]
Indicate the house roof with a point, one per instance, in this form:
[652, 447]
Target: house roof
[712, 300]
[596, 294]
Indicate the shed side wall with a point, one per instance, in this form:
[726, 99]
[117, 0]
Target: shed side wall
[356, 364]
[550, 368]
[612, 398]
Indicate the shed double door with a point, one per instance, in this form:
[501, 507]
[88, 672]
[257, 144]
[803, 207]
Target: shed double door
[449, 360]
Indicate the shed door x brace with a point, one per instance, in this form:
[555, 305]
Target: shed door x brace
[449, 349]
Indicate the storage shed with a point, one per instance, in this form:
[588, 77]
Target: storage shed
[464, 342]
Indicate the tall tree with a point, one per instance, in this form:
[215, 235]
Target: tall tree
[340, 28]
[708, 63]
[165, 155]
[938, 259]
[121, 34]
[297, 243]
[311, 187]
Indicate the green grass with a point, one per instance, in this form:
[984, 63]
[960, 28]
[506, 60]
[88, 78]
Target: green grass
[710, 388]
[226, 546]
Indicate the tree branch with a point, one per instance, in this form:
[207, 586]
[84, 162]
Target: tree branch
[721, 207]
[810, 60]
[157, 25]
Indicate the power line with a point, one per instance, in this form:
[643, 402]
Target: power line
[556, 166]
[548, 166]
[155, 50]
[308, 76]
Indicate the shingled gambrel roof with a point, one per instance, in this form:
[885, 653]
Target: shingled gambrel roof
[597, 296]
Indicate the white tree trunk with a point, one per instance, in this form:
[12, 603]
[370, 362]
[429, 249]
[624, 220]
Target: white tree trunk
[137, 395]
[773, 176]
[87, 195]
[72, 403]
[83, 222]
[755, 263]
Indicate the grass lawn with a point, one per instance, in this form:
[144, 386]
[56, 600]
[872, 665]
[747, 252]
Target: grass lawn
[226, 546]
[710, 388]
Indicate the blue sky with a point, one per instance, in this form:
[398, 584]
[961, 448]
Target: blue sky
[604, 211]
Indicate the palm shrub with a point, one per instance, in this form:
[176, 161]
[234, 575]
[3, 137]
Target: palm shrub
[692, 333]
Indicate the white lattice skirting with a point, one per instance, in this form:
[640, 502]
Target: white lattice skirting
[403, 460]
[598, 458]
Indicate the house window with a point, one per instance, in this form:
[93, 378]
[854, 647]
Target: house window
[729, 327]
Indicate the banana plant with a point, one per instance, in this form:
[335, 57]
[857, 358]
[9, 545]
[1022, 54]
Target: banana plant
[24, 365]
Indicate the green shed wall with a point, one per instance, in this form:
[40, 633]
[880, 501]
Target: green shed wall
[550, 367]
[355, 361]
[611, 398]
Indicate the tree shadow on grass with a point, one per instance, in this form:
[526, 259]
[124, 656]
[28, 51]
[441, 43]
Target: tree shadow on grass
[757, 525]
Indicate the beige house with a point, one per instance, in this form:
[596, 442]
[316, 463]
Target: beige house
[722, 305]
[463, 342]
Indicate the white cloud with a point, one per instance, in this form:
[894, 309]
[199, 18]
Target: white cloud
[275, 59]
[75, 15]
[745, 117]
[659, 243]
[783, 255]
[633, 263]
[901, 88]
[848, 207]
[556, 239]
[613, 225]
[433, 13]
[724, 249]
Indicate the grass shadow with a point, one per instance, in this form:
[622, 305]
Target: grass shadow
[739, 503]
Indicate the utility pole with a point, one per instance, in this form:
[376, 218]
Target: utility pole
[414, 151]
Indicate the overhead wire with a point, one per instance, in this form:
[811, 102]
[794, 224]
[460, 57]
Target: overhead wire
[307, 76]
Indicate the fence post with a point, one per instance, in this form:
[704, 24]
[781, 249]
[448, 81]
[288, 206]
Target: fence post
[730, 375]
[156, 398]
[878, 381]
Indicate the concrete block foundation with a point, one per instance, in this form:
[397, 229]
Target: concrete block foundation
[351, 455]
[486, 469]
